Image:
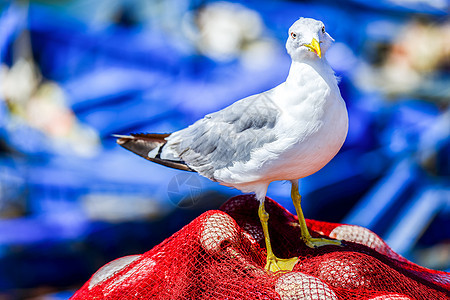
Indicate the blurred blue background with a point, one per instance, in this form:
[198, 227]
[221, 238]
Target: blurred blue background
[74, 72]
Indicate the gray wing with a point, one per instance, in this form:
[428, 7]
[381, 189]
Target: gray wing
[227, 136]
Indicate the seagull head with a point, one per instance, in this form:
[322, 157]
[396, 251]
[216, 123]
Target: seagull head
[308, 39]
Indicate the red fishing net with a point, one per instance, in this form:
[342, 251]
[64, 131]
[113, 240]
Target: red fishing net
[221, 255]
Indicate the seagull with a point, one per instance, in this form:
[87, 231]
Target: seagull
[284, 134]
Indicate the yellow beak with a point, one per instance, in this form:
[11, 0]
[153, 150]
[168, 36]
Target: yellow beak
[314, 47]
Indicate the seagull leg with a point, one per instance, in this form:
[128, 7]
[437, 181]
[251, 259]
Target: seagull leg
[306, 237]
[274, 263]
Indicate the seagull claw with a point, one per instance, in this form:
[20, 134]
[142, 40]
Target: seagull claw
[275, 264]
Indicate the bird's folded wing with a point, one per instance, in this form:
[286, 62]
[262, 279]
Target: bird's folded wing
[228, 136]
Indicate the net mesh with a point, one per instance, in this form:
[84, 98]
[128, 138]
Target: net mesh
[221, 255]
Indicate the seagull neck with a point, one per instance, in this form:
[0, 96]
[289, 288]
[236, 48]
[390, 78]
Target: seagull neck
[303, 71]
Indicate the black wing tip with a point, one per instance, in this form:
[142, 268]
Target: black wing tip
[131, 142]
[158, 137]
[122, 139]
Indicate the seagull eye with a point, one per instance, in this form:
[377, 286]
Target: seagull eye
[294, 35]
[323, 29]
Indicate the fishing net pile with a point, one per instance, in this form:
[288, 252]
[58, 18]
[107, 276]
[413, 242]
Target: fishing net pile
[221, 255]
